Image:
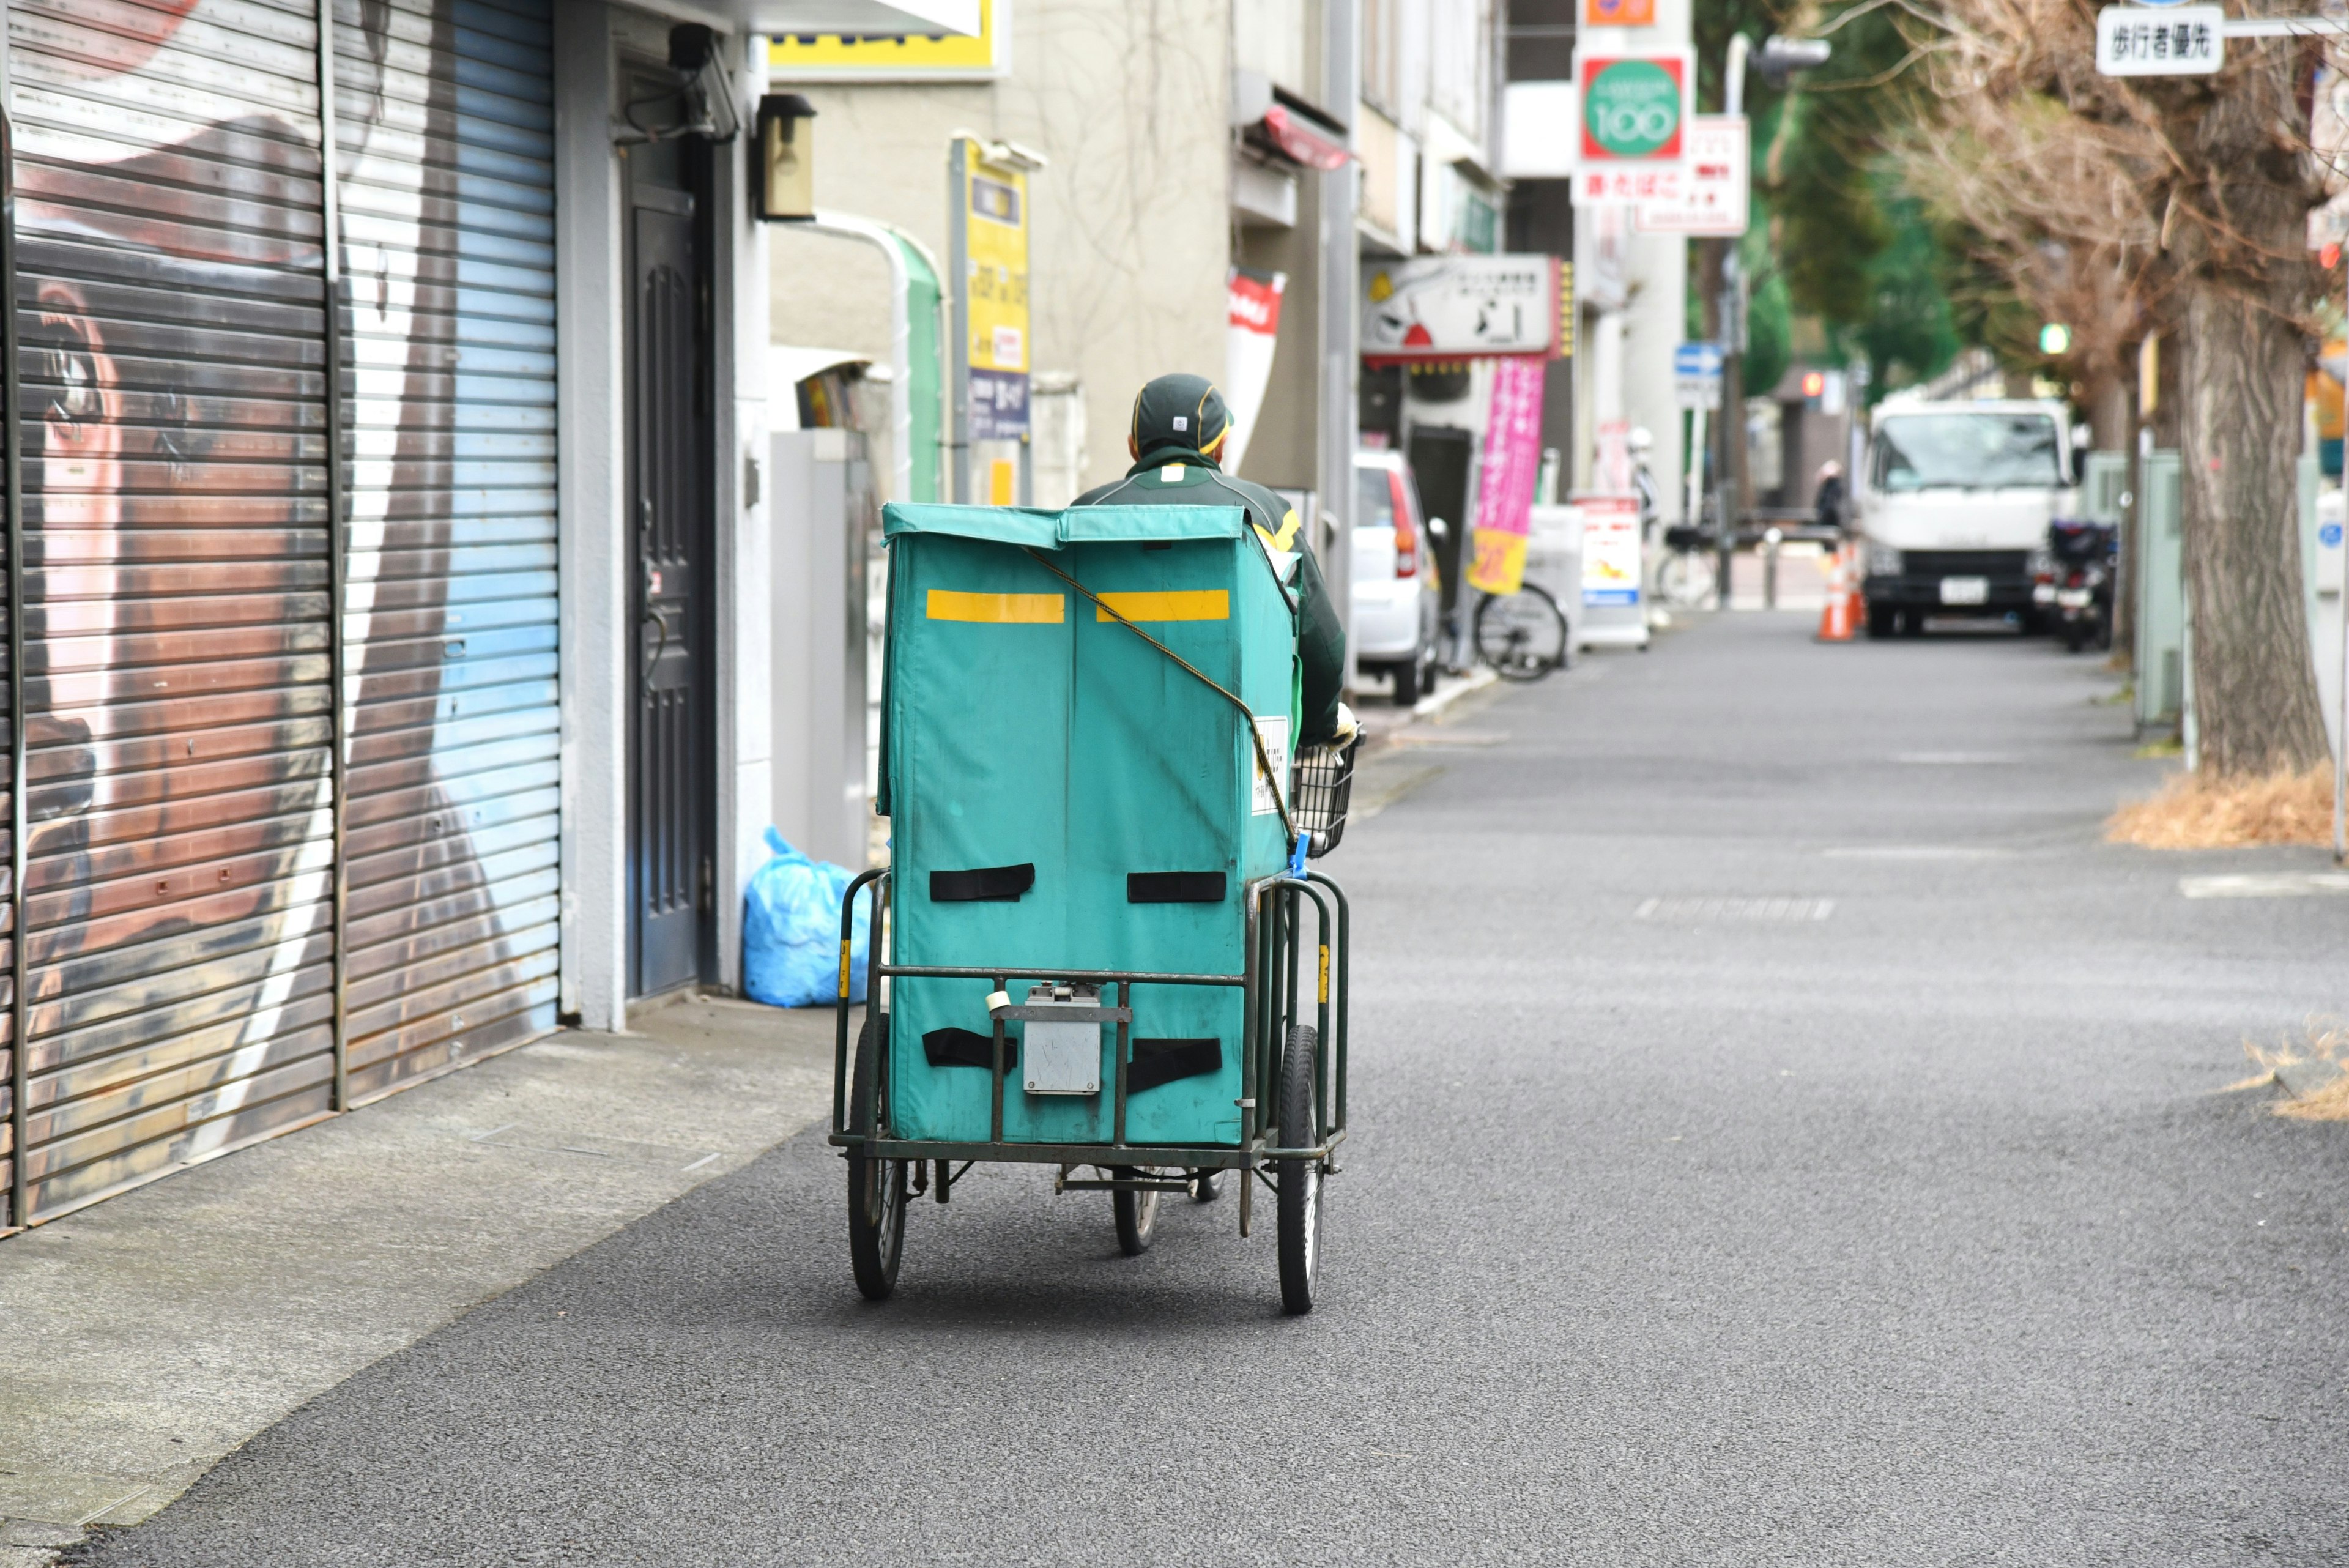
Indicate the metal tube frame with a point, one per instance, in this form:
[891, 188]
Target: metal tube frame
[1268, 984]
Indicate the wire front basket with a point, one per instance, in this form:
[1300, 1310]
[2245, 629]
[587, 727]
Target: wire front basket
[1324, 786]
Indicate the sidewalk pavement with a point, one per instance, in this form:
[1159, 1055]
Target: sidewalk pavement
[151, 1335]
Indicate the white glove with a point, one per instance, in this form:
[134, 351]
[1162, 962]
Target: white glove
[1347, 727]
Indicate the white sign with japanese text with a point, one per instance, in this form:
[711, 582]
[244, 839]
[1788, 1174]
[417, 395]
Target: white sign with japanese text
[1460, 307]
[1708, 193]
[2174, 41]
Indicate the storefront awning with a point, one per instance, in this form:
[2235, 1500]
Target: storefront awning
[1295, 135]
[935, 18]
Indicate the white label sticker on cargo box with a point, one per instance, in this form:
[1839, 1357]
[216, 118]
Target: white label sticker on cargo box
[1275, 733]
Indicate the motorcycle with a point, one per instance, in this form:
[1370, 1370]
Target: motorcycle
[2074, 583]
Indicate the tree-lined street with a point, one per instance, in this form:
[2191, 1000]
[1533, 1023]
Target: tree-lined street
[1785, 1133]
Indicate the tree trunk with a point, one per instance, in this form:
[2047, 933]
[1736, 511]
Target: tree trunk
[2109, 408]
[2254, 690]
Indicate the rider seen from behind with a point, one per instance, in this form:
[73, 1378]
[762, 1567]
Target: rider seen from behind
[1179, 426]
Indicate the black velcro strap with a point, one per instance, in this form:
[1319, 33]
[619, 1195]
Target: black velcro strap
[1174, 888]
[966, 1048]
[988, 884]
[1157, 1062]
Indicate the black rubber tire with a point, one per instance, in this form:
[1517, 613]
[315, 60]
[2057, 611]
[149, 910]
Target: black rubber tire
[1298, 1181]
[876, 1187]
[1406, 683]
[1912, 623]
[1883, 621]
[1137, 1213]
[1206, 1186]
[1523, 639]
[2076, 636]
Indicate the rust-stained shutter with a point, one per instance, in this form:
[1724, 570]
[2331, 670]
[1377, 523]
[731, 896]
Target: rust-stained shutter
[178, 901]
[446, 130]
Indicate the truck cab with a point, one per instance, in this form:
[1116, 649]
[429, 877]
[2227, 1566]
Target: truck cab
[1954, 501]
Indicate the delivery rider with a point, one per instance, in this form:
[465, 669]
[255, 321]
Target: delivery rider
[1179, 426]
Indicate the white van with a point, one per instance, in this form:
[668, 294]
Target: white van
[1953, 505]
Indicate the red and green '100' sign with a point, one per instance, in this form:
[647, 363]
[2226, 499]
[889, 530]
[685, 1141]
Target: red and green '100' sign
[1632, 111]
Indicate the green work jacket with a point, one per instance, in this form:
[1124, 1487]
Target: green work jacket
[1170, 477]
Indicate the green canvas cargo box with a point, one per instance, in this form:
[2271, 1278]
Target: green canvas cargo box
[1063, 797]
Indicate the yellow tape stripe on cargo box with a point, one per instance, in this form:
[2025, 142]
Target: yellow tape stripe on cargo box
[999, 609]
[1174, 604]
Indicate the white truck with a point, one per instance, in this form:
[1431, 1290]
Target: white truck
[1953, 506]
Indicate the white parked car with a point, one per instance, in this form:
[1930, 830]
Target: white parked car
[1394, 591]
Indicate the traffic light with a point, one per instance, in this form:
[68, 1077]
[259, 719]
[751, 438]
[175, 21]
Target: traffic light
[2055, 339]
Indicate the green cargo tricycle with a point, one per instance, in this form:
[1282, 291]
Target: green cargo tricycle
[1089, 950]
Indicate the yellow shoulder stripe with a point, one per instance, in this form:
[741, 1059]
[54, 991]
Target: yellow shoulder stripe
[1174, 604]
[1286, 538]
[999, 609]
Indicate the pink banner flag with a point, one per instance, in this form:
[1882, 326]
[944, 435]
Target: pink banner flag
[1504, 497]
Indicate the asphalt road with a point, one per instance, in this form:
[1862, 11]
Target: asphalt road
[1917, 1233]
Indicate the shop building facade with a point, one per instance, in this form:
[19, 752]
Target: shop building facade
[386, 472]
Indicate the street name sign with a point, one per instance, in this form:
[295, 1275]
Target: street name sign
[1696, 375]
[2174, 41]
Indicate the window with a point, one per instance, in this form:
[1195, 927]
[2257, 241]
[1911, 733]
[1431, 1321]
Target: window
[1966, 451]
[1373, 499]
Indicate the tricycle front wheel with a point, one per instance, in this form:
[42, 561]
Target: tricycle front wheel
[876, 1187]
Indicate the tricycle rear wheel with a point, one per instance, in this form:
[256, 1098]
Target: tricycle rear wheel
[1299, 1181]
[1137, 1213]
[876, 1187]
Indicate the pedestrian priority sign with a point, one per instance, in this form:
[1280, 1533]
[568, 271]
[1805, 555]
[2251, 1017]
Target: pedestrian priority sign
[2174, 41]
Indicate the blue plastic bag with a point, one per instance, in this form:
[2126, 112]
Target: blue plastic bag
[791, 930]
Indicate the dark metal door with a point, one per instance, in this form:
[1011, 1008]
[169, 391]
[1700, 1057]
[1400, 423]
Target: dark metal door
[1440, 458]
[671, 801]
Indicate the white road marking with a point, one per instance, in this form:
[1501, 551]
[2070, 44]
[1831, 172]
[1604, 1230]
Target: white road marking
[2266, 885]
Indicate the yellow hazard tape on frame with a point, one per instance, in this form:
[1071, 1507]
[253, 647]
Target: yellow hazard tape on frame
[999, 609]
[1174, 604]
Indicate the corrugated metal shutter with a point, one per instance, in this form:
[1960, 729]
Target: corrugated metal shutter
[177, 903]
[446, 129]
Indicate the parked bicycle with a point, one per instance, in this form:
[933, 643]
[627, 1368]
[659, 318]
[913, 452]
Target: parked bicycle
[1522, 636]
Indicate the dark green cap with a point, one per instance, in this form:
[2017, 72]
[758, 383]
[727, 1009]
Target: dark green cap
[1180, 413]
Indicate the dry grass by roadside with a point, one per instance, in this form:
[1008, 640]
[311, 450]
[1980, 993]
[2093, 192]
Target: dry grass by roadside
[2326, 1042]
[2194, 812]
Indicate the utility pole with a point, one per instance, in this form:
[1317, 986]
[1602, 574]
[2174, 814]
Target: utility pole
[1782, 60]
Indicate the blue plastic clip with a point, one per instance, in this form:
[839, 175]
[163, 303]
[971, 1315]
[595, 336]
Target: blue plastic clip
[1296, 856]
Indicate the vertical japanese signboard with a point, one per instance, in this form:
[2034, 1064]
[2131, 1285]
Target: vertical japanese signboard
[991, 268]
[1611, 566]
[1505, 496]
[1707, 193]
[1632, 136]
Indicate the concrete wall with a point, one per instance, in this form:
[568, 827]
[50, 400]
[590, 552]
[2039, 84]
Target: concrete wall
[1281, 448]
[1130, 238]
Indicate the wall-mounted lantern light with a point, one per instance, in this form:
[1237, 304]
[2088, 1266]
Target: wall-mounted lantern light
[785, 167]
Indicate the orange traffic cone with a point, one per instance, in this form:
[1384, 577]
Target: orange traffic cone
[1838, 615]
